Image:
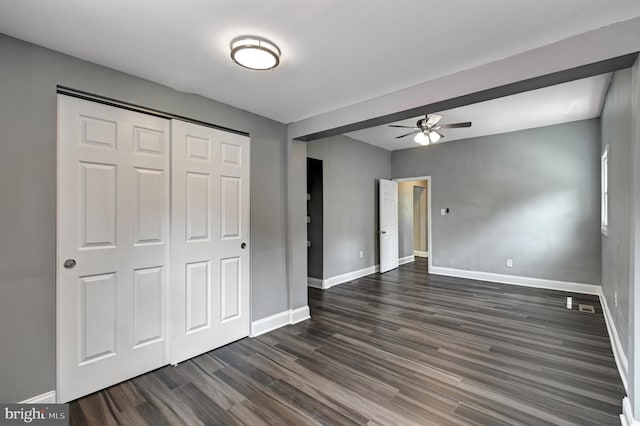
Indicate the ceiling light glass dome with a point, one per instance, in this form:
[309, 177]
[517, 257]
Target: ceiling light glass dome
[255, 53]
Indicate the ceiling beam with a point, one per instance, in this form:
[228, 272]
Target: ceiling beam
[584, 71]
[603, 50]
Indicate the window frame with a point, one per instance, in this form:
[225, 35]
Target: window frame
[604, 191]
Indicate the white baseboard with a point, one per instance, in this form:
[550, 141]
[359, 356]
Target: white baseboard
[517, 280]
[269, 323]
[407, 259]
[299, 315]
[314, 282]
[45, 398]
[420, 253]
[350, 276]
[275, 321]
[626, 418]
[621, 359]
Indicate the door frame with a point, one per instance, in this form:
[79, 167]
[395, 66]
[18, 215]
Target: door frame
[429, 209]
[92, 97]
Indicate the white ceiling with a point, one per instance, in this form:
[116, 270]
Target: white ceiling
[335, 52]
[562, 103]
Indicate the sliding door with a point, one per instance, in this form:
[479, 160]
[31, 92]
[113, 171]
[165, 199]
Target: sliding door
[133, 292]
[210, 298]
[112, 245]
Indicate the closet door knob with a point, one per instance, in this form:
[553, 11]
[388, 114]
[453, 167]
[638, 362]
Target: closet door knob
[243, 245]
[69, 263]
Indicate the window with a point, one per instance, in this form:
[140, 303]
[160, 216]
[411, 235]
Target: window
[604, 191]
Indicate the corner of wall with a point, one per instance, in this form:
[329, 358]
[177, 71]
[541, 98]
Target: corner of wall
[281, 319]
[45, 398]
[296, 225]
[618, 353]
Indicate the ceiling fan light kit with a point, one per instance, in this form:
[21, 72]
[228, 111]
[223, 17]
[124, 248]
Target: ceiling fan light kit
[426, 137]
[426, 129]
[422, 138]
[435, 136]
[255, 53]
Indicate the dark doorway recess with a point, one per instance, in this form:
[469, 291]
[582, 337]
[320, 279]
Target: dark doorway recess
[314, 217]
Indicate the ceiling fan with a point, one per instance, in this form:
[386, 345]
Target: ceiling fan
[426, 129]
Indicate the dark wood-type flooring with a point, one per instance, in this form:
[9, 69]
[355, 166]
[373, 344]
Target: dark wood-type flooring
[400, 348]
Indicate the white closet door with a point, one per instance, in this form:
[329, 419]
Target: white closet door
[112, 245]
[209, 239]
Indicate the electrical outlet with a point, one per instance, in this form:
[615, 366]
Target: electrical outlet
[361, 254]
[509, 263]
[615, 298]
[443, 212]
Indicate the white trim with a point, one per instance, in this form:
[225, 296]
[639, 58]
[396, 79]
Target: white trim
[407, 259]
[314, 282]
[604, 191]
[275, 321]
[350, 276]
[621, 359]
[420, 253]
[626, 418]
[269, 323]
[517, 280]
[45, 398]
[299, 315]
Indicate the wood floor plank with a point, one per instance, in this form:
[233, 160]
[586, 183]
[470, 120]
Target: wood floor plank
[404, 347]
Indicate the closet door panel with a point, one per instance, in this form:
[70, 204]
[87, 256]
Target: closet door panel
[112, 245]
[210, 222]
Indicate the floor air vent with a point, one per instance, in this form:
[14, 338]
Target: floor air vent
[586, 308]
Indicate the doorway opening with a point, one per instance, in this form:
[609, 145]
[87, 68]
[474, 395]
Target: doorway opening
[314, 222]
[414, 219]
[420, 231]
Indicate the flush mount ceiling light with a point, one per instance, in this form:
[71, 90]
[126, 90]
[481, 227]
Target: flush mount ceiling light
[255, 53]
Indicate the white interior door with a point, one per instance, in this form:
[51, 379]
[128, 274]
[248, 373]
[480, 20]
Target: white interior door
[388, 220]
[112, 245]
[209, 243]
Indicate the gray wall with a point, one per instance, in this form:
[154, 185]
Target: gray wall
[531, 195]
[28, 79]
[633, 351]
[297, 219]
[352, 171]
[616, 132]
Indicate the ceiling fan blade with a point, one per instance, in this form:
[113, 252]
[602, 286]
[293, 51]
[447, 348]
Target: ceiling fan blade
[455, 125]
[407, 134]
[433, 119]
[403, 127]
